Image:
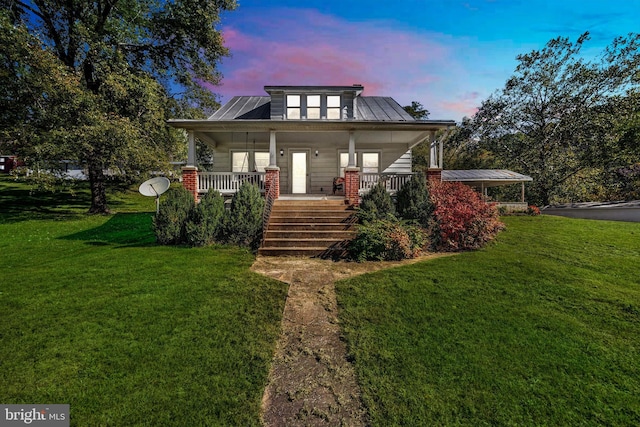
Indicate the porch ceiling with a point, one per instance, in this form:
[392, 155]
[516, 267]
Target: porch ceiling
[409, 133]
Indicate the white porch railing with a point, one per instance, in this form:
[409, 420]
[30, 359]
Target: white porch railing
[228, 182]
[393, 182]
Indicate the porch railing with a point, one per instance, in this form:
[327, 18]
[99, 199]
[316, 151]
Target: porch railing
[229, 182]
[393, 182]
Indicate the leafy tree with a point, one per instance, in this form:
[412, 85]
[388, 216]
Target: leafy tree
[555, 117]
[417, 110]
[107, 75]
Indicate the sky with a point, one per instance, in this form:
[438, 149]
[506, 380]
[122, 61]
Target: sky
[449, 55]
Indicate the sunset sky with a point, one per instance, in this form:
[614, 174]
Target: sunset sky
[448, 54]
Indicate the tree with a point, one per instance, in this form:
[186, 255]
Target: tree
[125, 67]
[417, 110]
[556, 116]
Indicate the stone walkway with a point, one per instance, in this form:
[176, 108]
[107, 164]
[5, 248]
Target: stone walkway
[311, 382]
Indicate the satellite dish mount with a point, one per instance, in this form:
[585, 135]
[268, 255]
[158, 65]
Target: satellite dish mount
[154, 187]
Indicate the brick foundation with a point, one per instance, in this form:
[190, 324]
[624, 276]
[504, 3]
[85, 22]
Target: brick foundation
[190, 180]
[272, 177]
[352, 186]
[434, 174]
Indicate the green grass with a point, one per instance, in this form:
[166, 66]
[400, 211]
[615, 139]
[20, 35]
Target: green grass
[540, 328]
[94, 314]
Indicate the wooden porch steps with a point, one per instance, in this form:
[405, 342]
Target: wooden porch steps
[314, 228]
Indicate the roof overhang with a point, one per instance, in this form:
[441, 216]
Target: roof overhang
[307, 125]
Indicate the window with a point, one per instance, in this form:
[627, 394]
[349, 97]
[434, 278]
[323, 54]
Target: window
[240, 161]
[344, 162]
[333, 107]
[313, 106]
[293, 106]
[261, 161]
[370, 162]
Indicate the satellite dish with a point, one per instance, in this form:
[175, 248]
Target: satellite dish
[154, 187]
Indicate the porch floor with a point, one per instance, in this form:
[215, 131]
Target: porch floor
[309, 197]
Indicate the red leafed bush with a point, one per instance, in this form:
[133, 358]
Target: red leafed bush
[462, 219]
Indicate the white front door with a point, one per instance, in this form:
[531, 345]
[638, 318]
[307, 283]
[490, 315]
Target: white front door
[299, 172]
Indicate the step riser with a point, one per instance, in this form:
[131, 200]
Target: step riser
[297, 252]
[312, 214]
[305, 203]
[307, 220]
[299, 234]
[305, 226]
[299, 243]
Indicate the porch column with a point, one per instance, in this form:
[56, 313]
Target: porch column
[435, 158]
[190, 171]
[191, 153]
[272, 149]
[352, 175]
[352, 150]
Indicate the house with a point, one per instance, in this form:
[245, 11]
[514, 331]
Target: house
[309, 141]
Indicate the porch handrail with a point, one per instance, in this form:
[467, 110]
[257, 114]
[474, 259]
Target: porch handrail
[269, 200]
[393, 181]
[229, 182]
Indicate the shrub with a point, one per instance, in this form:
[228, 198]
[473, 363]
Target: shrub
[169, 223]
[413, 202]
[205, 220]
[376, 204]
[533, 210]
[387, 240]
[463, 220]
[243, 222]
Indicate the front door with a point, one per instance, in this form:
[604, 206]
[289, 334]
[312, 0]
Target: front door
[299, 172]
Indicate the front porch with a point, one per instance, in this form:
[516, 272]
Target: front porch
[228, 183]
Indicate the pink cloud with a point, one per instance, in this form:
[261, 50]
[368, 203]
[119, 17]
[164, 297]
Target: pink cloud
[466, 104]
[306, 47]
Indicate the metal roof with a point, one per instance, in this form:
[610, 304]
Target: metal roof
[381, 109]
[369, 108]
[244, 108]
[485, 177]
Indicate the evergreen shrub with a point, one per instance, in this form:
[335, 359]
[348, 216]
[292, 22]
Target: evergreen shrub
[205, 220]
[243, 222]
[170, 221]
[376, 204]
[413, 201]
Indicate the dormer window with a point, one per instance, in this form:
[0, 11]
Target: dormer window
[313, 106]
[293, 106]
[333, 107]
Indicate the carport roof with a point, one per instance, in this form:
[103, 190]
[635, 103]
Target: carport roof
[485, 177]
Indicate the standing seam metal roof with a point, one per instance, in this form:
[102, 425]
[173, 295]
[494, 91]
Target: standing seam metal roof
[368, 108]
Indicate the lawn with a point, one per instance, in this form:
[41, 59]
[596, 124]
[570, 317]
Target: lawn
[540, 328]
[94, 314]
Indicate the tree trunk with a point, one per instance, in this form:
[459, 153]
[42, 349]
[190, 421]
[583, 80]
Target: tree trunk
[98, 190]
